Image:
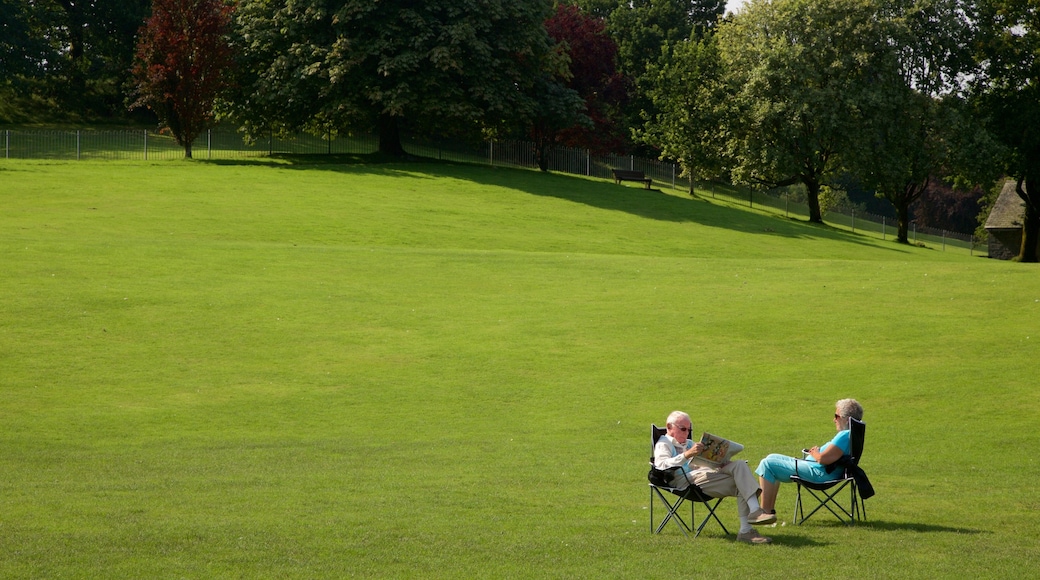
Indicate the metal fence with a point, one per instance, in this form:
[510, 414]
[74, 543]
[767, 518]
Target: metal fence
[222, 143]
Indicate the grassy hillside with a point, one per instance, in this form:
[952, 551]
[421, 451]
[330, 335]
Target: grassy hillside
[286, 369]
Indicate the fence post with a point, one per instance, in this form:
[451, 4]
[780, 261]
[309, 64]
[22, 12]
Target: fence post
[491, 152]
[632, 162]
[853, 221]
[915, 232]
[77, 144]
[7, 144]
[883, 232]
[146, 144]
[673, 176]
[209, 143]
[944, 240]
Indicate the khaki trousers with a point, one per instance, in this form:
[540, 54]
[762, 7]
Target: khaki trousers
[731, 480]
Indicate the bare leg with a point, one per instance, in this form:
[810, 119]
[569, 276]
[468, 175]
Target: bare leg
[769, 491]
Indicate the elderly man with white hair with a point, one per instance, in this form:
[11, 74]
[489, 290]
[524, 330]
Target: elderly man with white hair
[731, 479]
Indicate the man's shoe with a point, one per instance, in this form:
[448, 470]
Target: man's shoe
[753, 537]
[760, 518]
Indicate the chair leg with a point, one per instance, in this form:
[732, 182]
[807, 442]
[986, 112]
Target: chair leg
[711, 514]
[829, 499]
[673, 512]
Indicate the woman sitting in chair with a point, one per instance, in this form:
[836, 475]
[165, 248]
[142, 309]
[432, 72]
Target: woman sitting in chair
[776, 469]
[731, 479]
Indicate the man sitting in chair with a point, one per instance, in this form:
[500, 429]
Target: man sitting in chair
[776, 469]
[731, 479]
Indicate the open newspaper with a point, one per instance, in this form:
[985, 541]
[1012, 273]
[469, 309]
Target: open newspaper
[717, 450]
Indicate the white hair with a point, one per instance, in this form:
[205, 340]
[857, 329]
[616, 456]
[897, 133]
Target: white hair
[676, 415]
[849, 408]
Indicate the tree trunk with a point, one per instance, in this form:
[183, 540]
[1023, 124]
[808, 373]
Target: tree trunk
[812, 193]
[1031, 225]
[390, 136]
[541, 155]
[902, 222]
[1031, 222]
[187, 150]
[78, 65]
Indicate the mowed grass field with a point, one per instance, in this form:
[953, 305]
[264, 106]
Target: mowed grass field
[285, 369]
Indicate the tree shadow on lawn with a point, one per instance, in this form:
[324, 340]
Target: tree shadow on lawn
[917, 527]
[651, 204]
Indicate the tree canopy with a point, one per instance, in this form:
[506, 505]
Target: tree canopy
[75, 53]
[442, 66]
[183, 56]
[690, 101]
[802, 74]
[593, 74]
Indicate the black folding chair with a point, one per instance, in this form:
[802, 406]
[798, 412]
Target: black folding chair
[847, 474]
[660, 481]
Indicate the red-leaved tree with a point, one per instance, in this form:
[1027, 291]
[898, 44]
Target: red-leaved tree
[594, 75]
[183, 56]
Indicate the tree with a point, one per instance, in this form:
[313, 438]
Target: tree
[557, 108]
[801, 75]
[81, 52]
[914, 125]
[593, 74]
[182, 59]
[444, 66]
[595, 8]
[17, 43]
[643, 29]
[689, 96]
[1006, 93]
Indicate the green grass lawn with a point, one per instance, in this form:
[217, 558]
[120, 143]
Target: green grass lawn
[282, 369]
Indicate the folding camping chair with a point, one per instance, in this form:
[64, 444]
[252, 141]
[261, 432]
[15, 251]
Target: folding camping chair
[847, 474]
[660, 482]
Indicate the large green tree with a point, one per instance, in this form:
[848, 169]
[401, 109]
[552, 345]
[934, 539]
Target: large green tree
[913, 124]
[1007, 96]
[690, 99]
[20, 48]
[645, 30]
[442, 66]
[643, 27]
[88, 50]
[801, 73]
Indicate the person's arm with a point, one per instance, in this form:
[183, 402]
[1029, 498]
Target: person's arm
[833, 450]
[828, 455]
[664, 458]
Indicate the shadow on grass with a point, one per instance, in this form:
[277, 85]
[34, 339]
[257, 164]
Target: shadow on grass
[917, 527]
[791, 540]
[797, 541]
[651, 204]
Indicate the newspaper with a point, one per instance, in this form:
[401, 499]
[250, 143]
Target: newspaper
[717, 450]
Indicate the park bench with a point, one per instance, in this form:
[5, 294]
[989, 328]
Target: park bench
[630, 175]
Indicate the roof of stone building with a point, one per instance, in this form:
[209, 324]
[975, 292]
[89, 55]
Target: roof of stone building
[1009, 210]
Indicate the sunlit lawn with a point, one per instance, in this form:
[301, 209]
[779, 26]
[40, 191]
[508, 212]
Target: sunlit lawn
[288, 369]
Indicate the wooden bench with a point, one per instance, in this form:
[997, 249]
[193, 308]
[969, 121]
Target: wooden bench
[630, 175]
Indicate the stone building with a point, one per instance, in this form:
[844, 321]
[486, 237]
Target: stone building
[1004, 225]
